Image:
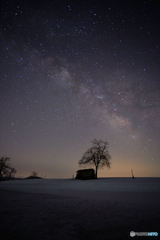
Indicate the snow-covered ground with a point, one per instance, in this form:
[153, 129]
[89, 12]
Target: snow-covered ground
[103, 184]
[107, 208]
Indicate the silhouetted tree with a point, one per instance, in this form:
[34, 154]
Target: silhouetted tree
[6, 171]
[97, 155]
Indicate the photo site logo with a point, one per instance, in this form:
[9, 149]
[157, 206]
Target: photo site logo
[153, 234]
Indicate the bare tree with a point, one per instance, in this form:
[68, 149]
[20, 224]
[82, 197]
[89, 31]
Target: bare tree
[97, 155]
[6, 171]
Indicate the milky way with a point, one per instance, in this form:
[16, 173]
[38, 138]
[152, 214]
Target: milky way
[72, 71]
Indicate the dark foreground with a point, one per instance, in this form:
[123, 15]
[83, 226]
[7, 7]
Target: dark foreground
[78, 214]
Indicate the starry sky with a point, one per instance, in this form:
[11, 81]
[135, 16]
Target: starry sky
[72, 71]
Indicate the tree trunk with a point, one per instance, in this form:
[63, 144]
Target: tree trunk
[96, 171]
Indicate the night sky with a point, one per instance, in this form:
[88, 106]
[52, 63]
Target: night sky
[72, 71]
